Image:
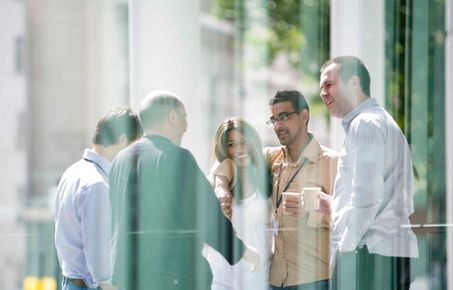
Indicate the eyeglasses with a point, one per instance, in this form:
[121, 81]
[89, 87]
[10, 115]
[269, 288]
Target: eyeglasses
[282, 117]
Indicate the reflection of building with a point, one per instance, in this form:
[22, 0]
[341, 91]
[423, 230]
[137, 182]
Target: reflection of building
[78, 69]
[13, 154]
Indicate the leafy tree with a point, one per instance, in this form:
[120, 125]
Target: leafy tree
[297, 28]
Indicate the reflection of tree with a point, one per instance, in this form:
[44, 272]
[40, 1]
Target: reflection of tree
[404, 93]
[415, 96]
[400, 73]
[299, 29]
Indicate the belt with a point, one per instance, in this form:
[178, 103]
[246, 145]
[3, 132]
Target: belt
[78, 282]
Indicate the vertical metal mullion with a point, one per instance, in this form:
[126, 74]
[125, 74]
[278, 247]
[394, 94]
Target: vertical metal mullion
[407, 95]
[449, 136]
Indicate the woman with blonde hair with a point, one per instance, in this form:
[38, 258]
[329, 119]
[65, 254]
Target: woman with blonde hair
[240, 178]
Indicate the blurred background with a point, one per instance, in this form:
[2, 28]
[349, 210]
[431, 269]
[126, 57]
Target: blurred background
[64, 63]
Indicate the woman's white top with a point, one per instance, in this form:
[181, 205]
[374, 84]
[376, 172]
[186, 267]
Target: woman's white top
[251, 221]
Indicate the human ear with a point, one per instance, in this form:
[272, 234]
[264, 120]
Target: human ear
[355, 82]
[305, 116]
[123, 140]
[172, 116]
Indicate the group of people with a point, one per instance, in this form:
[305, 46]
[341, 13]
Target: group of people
[137, 212]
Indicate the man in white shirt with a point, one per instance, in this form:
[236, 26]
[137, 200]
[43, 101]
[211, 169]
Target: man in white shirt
[82, 207]
[373, 194]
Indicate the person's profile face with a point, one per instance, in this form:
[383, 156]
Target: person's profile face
[288, 124]
[334, 92]
[238, 148]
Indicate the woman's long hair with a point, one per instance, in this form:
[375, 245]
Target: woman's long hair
[220, 145]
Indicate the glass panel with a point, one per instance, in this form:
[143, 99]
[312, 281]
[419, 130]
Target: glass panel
[415, 85]
[63, 64]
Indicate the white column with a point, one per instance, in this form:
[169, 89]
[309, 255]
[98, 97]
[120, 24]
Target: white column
[164, 53]
[358, 28]
[256, 78]
[114, 56]
[449, 135]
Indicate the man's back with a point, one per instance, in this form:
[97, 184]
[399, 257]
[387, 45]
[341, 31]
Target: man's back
[162, 200]
[82, 198]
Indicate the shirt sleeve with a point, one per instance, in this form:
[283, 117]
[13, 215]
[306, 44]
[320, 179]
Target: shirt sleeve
[226, 169]
[94, 212]
[365, 155]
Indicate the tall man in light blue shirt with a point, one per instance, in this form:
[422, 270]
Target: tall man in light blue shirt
[82, 207]
[373, 194]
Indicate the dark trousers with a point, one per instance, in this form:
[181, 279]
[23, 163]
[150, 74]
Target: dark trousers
[361, 270]
[318, 285]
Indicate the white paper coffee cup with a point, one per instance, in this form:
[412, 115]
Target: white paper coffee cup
[311, 197]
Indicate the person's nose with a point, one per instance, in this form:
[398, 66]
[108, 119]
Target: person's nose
[278, 124]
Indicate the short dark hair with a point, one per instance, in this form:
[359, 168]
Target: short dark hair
[295, 97]
[156, 105]
[117, 121]
[350, 66]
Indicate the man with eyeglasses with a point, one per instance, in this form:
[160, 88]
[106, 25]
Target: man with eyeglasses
[301, 255]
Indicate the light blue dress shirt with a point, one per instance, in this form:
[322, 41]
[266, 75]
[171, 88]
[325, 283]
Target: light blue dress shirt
[82, 220]
[374, 187]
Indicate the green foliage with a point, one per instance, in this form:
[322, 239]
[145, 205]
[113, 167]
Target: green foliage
[297, 28]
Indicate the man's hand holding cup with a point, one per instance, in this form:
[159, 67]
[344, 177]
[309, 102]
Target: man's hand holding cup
[310, 199]
[313, 199]
[292, 203]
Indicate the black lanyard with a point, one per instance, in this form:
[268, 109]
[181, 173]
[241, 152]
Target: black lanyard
[279, 199]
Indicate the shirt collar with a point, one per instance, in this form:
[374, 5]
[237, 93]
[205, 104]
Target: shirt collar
[369, 102]
[92, 156]
[311, 152]
[157, 138]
